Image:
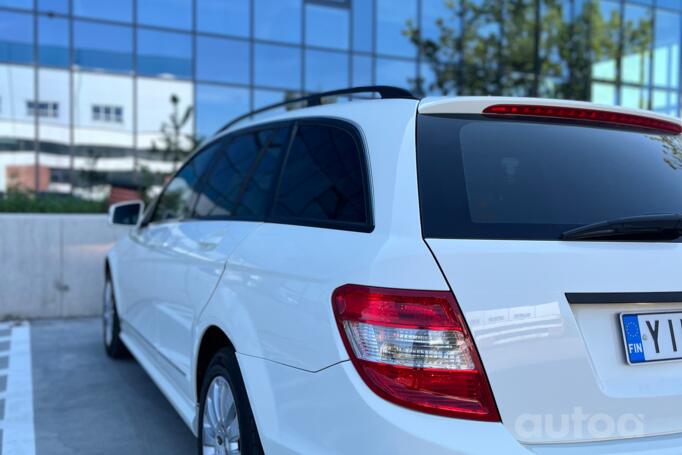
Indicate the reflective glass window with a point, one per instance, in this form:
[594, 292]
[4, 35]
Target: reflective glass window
[278, 20]
[266, 97]
[164, 53]
[634, 97]
[222, 60]
[119, 10]
[605, 32]
[435, 12]
[429, 84]
[103, 46]
[665, 102]
[160, 104]
[27, 4]
[55, 6]
[165, 13]
[363, 18]
[326, 26]
[16, 37]
[178, 198]
[637, 37]
[100, 140]
[53, 39]
[17, 132]
[224, 17]
[392, 17]
[603, 93]
[217, 105]
[401, 73]
[241, 180]
[675, 4]
[277, 66]
[667, 49]
[54, 129]
[325, 70]
[262, 98]
[362, 70]
[323, 179]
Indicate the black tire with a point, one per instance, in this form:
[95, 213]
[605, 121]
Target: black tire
[224, 363]
[114, 347]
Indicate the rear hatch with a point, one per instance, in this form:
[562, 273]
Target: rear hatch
[497, 192]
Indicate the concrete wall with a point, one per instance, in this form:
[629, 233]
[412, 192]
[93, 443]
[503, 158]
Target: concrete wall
[53, 265]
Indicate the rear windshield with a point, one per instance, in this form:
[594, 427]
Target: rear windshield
[527, 179]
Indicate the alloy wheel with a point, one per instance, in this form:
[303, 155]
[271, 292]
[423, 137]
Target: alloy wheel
[220, 432]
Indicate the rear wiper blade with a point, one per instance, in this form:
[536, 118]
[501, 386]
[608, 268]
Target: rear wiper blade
[644, 227]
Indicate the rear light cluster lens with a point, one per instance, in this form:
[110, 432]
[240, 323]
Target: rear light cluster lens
[593, 115]
[413, 349]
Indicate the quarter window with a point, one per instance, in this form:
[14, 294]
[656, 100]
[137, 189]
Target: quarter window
[177, 200]
[241, 182]
[323, 181]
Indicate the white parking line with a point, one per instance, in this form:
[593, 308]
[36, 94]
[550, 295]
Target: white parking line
[18, 437]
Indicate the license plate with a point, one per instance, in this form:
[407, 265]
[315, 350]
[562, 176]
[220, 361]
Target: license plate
[652, 337]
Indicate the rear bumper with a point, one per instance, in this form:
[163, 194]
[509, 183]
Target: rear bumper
[333, 412]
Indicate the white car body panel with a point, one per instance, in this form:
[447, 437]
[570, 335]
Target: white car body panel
[542, 353]
[268, 288]
[346, 417]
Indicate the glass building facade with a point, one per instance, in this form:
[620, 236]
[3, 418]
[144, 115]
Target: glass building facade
[101, 100]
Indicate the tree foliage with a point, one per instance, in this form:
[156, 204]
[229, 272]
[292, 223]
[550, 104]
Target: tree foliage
[524, 47]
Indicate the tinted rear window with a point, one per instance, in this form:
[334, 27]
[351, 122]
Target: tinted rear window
[323, 181]
[527, 179]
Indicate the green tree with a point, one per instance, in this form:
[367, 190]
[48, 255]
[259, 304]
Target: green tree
[524, 47]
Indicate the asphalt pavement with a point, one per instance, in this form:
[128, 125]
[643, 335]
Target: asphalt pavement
[61, 395]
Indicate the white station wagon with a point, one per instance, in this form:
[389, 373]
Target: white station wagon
[449, 275]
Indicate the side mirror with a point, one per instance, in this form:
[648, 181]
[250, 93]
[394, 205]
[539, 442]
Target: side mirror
[126, 213]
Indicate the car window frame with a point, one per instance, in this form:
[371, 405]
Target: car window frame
[147, 220]
[255, 129]
[293, 125]
[356, 134]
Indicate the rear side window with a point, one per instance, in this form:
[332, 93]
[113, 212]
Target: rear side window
[324, 180]
[528, 179]
[241, 180]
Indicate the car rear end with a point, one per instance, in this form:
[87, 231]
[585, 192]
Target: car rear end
[476, 325]
[579, 337]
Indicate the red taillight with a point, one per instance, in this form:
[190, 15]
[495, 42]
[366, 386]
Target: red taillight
[592, 115]
[413, 349]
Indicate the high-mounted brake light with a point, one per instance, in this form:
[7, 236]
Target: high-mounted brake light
[592, 115]
[413, 348]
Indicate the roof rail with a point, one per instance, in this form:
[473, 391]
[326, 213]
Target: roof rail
[315, 99]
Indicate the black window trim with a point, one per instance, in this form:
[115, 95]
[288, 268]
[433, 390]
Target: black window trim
[293, 125]
[347, 126]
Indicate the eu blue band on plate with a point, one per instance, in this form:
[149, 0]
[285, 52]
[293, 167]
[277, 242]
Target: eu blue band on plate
[633, 338]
